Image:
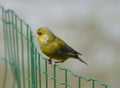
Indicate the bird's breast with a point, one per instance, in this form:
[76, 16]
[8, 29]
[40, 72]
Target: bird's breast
[47, 49]
[43, 39]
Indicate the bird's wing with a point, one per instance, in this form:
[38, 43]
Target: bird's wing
[60, 46]
[65, 49]
[71, 50]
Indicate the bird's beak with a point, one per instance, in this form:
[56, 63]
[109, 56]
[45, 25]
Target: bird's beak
[35, 35]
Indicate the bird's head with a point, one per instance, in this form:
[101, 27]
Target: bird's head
[44, 35]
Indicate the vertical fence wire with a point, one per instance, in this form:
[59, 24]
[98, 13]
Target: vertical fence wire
[32, 60]
[65, 78]
[39, 64]
[5, 47]
[55, 76]
[17, 51]
[93, 84]
[28, 54]
[22, 52]
[9, 39]
[14, 45]
[79, 82]
[35, 60]
[46, 75]
[10, 42]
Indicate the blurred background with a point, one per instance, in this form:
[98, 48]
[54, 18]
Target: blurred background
[92, 27]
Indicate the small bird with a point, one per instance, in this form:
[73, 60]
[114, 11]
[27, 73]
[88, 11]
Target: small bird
[54, 47]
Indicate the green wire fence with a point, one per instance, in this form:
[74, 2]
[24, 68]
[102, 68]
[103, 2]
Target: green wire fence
[29, 68]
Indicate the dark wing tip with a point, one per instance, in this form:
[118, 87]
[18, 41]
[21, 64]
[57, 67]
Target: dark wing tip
[82, 61]
[78, 53]
[72, 50]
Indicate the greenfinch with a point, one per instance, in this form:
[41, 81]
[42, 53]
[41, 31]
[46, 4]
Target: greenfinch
[54, 47]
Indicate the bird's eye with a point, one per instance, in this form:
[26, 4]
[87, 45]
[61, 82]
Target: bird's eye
[39, 33]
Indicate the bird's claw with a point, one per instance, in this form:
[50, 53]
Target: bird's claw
[51, 62]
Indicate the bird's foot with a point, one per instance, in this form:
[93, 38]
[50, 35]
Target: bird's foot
[53, 63]
[50, 61]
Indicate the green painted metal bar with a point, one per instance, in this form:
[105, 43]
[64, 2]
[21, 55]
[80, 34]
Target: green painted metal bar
[55, 76]
[35, 60]
[14, 38]
[22, 52]
[106, 86]
[17, 51]
[79, 82]
[32, 60]
[65, 78]
[93, 84]
[28, 54]
[39, 64]
[10, 40]
[46, 76]
[5, 48]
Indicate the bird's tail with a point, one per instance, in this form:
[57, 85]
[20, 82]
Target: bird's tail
[82, 60]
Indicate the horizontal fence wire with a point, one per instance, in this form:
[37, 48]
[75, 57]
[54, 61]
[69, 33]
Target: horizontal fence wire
[29, 67]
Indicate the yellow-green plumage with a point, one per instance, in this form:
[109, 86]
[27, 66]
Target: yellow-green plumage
[54, 47]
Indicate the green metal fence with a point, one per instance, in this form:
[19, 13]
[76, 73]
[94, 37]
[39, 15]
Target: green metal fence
[29, 68]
